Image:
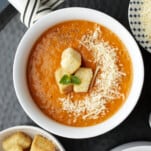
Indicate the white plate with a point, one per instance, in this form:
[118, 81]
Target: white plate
[135, 23]
[31, 131]
[134, 146]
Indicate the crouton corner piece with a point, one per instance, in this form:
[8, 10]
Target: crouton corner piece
[70, 60]
[15, 148]
[59, 73]
[41, 143]
[17, 139]
[85, 75]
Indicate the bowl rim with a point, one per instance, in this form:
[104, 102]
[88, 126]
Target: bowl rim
[32, 110]
[33, 128]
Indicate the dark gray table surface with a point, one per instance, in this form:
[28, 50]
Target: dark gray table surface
[134, 128]
[3, 4]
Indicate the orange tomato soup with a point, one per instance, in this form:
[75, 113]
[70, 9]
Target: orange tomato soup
[45, 59]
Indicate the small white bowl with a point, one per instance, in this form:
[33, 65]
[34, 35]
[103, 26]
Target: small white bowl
[19, 72]
[31, 131]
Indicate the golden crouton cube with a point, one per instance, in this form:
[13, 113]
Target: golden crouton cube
[70, 60]
[17, 139]
[15, 148]
[85, 75]
[41, 143]
[63, 88]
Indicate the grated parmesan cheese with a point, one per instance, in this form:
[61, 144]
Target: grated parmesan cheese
[106, 83]
[145, 18]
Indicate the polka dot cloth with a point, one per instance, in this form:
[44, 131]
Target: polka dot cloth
[135, 23]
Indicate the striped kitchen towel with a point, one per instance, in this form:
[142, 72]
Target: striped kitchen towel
[32, 10]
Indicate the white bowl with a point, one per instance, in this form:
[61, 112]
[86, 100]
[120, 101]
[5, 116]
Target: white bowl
[19, 72]
[31, 131]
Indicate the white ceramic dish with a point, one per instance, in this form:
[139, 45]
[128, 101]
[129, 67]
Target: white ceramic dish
[31, 131]
[19, 72]
[134, 146]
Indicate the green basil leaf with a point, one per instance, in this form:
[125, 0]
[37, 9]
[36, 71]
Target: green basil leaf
[75, 79]
[66, 79]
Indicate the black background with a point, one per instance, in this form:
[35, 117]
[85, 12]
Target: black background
[136, 126]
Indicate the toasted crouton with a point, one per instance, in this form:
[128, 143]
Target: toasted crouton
[63, 88]
[41, 143]
[15, 148]
[70, 60]
[17, 139]
[85, 75]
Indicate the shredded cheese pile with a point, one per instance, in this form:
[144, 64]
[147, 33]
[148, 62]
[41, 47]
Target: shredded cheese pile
[145, 18]
[107, 82]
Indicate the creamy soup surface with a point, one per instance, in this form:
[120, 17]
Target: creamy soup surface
[100, 49]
